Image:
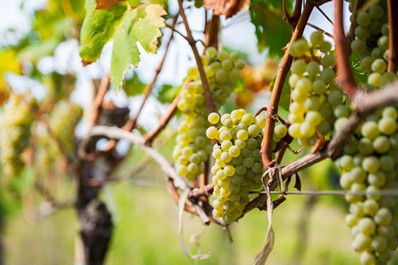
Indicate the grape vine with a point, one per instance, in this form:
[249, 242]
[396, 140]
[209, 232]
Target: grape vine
[337, 92]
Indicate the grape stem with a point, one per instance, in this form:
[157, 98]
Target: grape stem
[284, 67]
[208, 96]
[344, 70]
[393, 34]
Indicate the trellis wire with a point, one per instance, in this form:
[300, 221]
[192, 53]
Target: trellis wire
[387, 192]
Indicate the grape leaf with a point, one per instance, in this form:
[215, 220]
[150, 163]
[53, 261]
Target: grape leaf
[138, 25]
[134, 3]
[271, 30]
[97, 29]
[133, 85]
[167, 93]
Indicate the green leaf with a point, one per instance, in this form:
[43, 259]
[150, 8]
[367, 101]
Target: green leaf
[39, 50]
[284, 101]
[134, 3]
[97, 29]
[138, 25]
[167, 93]
[359, 75]
[107, 4]
[271, 30]
[133, 85]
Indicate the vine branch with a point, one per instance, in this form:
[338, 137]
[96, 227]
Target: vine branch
[344, 70]
[208, 96]
[393, 35]
[284, 67]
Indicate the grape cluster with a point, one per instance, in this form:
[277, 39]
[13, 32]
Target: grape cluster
[316, 99]
[238, 166]
[371, 43]
[62, 122]
[17, 118]
[193, 148]
[370, 165]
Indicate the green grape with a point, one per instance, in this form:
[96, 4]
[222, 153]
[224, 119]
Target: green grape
[299, 48]
[379, 65]
[383, 42]
[211, 52]
[381, 144]
[358, 46]
[316, 38]
[328, 60]
[313, 68]
[213, 118]
[370, 130]
[367, 226]
[367, 258]
[374, 79]
[280, 131]
[362, 242]
[325, 47]
[376, 12]
[328, 75]
[366, 63]
[383, 217]
[364, 19]
[362, 33]
[299, 67]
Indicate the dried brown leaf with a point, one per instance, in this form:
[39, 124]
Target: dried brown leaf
[107, 4]
[226, 7]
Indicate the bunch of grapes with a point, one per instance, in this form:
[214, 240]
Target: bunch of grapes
[371, 44]
[193, 148]
[316, 99]
[17, 118]
[369, 164]
[238, 166]
[62, 122]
